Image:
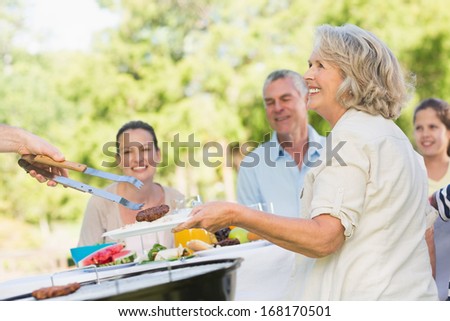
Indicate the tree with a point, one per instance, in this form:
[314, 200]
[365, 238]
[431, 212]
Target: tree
[195, 71]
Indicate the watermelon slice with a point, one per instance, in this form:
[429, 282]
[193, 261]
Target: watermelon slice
[81, 252]
[102, 256]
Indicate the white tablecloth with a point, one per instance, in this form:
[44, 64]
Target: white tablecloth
[266, 273]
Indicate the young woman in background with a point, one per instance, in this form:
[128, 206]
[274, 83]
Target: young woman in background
[432, 136]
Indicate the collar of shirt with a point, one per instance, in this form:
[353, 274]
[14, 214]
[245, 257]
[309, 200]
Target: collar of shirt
[278, 152]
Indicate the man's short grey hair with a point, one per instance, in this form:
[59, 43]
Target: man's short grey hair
[297, 79]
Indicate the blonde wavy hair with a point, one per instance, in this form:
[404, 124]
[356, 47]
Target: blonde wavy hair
[373, 79]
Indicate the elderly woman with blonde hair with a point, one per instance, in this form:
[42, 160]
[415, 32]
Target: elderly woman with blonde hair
[366, 203]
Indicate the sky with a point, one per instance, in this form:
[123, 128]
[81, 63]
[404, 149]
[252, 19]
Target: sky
[63, 24]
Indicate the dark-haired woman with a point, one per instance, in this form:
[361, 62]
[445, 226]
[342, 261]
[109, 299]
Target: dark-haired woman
[432, 137]
[138, 156]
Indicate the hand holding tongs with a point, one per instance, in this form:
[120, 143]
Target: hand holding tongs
[42, 159]
[28, 163]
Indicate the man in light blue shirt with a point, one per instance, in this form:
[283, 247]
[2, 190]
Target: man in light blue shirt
[274, 172]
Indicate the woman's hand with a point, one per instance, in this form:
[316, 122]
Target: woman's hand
[211, 216]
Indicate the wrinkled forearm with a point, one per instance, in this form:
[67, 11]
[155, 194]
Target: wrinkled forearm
[12, 138]
[316, 237]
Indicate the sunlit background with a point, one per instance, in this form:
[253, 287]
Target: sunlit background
[73, 71]
[52, 25]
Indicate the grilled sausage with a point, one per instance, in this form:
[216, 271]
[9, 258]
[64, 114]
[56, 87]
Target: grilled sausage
[54, 291]
[152, 213]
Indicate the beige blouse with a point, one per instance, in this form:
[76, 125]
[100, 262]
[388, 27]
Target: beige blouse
[433, 185]
[102, 215]
[376, 184]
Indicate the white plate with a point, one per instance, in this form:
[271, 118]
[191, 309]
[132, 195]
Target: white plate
[233, 248]
[164, 223]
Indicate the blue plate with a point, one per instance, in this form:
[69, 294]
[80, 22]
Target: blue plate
[79, 253]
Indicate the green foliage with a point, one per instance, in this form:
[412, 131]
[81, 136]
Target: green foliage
[189, 68]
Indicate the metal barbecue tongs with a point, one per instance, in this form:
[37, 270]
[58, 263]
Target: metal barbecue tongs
[27, 162]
